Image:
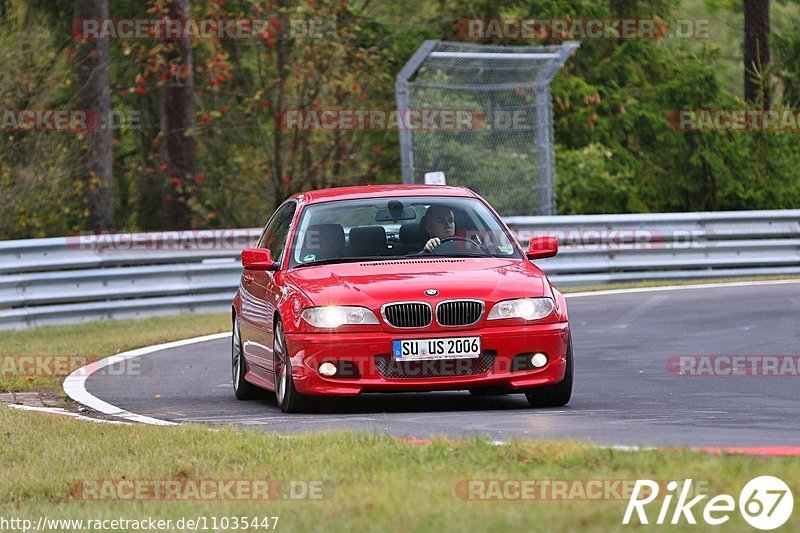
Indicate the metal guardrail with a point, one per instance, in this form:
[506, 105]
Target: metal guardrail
[66, 279]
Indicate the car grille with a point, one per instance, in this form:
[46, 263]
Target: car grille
[389, 368]
[408, 315]
[459, 313]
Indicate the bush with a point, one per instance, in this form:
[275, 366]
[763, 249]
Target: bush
[589, 182]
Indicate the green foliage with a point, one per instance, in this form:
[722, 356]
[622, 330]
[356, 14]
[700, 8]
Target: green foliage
[621, 96]
[40, 197]
[615, 149]
[589, 183]
[786, 48]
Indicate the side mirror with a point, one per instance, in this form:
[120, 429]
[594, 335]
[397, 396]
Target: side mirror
[257, 259]
[541, 247]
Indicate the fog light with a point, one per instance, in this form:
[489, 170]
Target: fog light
[327, 369]
[538, 360]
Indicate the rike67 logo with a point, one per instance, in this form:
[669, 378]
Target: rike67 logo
[765, 503]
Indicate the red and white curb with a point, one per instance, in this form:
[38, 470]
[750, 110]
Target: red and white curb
[764, 451]
[58, 411]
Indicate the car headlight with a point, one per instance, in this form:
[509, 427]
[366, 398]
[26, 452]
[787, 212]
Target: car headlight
[527, 308]
[336, 315]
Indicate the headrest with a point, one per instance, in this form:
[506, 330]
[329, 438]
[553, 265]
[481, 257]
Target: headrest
[324, 240]
[410, 233]
[368, 240]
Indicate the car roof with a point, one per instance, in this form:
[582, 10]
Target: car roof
[379, 191]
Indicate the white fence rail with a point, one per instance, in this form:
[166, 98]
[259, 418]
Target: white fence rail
[61, 280]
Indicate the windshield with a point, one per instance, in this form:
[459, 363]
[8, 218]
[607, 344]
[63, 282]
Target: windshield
[399, 227]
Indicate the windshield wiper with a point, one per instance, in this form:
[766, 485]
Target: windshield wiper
[434, 254]
[334, 260]
[455, 256]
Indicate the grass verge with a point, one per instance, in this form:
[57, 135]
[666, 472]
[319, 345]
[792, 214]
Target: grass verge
[369, 482]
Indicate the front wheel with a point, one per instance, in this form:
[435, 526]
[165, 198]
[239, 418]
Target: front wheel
[241, 388]
[289, 400]
[556, 395]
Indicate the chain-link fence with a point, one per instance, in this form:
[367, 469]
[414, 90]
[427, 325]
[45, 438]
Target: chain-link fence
[484, 117]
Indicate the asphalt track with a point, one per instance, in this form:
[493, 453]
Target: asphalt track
[623, 394]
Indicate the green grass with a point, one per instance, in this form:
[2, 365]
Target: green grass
[94, 340]
[369, 482]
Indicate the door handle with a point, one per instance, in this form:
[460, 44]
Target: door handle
[248, 278]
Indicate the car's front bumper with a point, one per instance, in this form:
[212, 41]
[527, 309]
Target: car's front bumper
[308, 351]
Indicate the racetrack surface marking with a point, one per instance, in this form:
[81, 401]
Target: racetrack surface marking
[75, 384]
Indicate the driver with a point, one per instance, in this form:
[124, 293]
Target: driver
[439, 223]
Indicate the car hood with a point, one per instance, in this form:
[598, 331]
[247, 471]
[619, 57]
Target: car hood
[373, 284]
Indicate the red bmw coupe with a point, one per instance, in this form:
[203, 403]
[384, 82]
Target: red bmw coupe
[397, 288]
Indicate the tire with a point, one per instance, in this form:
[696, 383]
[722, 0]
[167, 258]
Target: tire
[289, 400]
[556, 395]
[241, 388]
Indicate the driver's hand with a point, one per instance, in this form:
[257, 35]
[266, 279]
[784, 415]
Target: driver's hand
[433, 243]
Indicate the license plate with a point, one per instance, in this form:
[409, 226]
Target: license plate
[448, 348]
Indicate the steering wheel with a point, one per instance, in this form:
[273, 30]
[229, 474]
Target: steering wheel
[456, 238]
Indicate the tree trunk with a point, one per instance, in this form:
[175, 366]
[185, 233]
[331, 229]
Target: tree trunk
[756, 52]
[95, 168]
[282, 69]
[177, 123]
